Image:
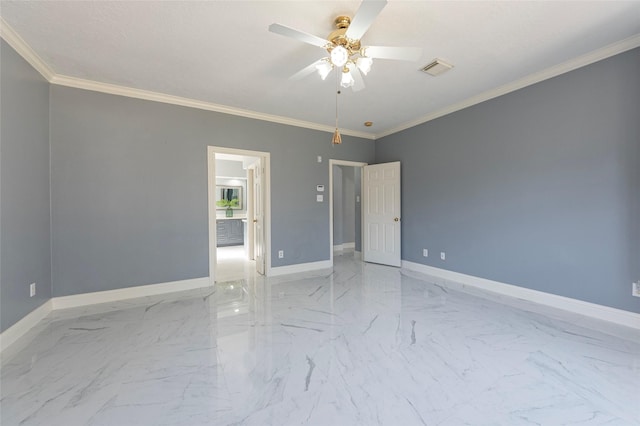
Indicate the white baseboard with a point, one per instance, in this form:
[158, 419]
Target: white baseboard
[605, 313]
[344, 246]
[22, 327]
[85, 299]
[300, 267]
[19, 329]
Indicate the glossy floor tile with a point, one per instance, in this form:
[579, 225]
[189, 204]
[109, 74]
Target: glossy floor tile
[233, 264]
[361, 345]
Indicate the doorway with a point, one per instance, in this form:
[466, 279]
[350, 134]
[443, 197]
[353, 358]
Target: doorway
[345, 196]
[239, 222]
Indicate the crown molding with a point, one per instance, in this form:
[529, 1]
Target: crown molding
[19, 45]
[578, 62]
[24, 50]
[113, 89]
[15, 41]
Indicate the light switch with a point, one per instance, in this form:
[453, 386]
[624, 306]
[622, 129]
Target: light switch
[319, 198]
[357, 198]
[319, 158]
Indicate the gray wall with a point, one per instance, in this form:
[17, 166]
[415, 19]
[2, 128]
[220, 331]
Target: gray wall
[25, 245]
[129, 188]
[539, 188]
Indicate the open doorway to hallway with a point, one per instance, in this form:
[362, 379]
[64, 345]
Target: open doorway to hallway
[346, 213]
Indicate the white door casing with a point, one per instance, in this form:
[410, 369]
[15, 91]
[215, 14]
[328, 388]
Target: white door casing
[258, 217]
[381, 211]
[211, 203]
[263, 267]
[250, 213]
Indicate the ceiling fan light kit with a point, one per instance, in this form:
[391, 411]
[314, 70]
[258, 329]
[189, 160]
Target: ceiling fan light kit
[344, 48]
[347, 79]
[324, 68]
[339, 56]
[364, 64]
[345, 52]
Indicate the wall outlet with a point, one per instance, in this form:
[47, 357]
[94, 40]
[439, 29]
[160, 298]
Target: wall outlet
[635, 288]
[280, 254]
[425, 253]
[443, 255]
[32, 289]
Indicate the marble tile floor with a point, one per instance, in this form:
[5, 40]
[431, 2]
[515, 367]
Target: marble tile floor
[233, 264]
[363, 344]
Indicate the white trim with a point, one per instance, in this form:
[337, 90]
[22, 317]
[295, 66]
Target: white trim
[212, 213]
[85, 299]
[15, 41]
[300, 267]
[211, 184]
[22, 327]
[267, 213]
[19, 45]
[28, 54]
[344, 246]
[606, 313]
[114, 89]
[570, 65]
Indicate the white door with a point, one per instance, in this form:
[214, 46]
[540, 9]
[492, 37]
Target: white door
[258, 218]
[381, 221]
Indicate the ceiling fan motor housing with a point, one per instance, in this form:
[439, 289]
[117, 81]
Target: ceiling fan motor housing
[338, 37]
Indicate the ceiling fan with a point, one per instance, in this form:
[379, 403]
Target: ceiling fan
[345, 52]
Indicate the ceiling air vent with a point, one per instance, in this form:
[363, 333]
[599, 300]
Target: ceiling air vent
[437, 67]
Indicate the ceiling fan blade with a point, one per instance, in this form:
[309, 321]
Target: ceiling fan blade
[364, 17]
[298, 35]
[305, 71]
[399, 53]
[357, 78]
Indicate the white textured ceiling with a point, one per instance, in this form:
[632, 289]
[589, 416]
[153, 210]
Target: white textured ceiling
[221, 52]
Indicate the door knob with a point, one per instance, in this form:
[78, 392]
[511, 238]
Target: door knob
[396, 219]
[255, 220]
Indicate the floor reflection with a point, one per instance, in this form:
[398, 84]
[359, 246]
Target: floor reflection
[360, 344]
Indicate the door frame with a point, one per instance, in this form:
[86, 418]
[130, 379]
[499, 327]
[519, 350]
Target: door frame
[250, 249]
[265, 159]
[332, 163]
